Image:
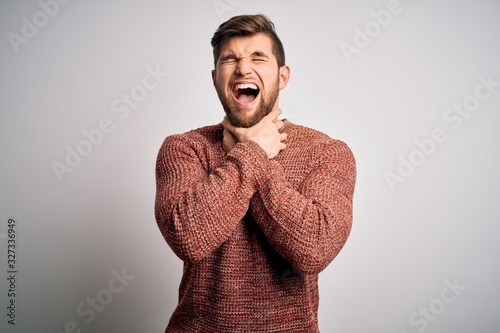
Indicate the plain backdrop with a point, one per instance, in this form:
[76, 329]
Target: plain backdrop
[413, 87]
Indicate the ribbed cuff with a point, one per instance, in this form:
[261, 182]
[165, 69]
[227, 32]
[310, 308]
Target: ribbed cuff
[253, 163]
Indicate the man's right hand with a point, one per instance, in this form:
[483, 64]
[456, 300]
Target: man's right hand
[265, 133]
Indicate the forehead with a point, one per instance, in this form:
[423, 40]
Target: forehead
[247, 45]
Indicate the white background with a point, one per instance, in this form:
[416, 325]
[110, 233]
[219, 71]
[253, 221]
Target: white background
[437, 226]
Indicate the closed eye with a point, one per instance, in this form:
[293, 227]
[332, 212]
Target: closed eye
[259, 56]
[227, 59]
[259, 59]
[230, 58]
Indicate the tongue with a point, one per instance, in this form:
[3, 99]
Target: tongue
[245, 99]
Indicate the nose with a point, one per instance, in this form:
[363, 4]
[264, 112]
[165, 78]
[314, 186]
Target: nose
[244, 67]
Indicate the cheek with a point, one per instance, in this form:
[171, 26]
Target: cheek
[223, 75]
[269, 77]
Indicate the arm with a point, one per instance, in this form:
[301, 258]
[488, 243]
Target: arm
[196, 211]
[309, 226]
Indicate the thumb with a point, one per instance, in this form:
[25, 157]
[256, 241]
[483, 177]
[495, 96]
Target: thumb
[274, 114]
[228, 126]
[277, 103]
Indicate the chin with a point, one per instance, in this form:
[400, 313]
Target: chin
[248, 116]
[245, 118]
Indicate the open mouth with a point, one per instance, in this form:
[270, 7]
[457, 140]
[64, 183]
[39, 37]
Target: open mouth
[245, 93]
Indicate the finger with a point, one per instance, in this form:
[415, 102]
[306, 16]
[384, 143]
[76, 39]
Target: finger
[277, 117]
[237, 132]
[279, 124]
[273, 115]
[228, 128]
[277, 103]
[227, 125]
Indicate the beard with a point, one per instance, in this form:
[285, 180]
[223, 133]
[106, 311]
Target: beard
[264, 107]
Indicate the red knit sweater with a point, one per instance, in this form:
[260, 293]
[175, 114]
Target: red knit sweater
[253, 233]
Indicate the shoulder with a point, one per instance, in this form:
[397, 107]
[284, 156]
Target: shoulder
[200, 137]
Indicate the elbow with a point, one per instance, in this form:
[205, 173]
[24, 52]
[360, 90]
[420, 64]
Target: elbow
[316, 263]
[313, 264]
[182, 246]
[177, 237]
[185, 252]
[314, 259]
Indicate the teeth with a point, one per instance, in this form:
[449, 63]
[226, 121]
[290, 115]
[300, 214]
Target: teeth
[245, 86]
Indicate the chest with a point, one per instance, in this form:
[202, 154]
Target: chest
[296, 162]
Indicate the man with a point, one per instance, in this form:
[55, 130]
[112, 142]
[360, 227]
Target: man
[256, 207]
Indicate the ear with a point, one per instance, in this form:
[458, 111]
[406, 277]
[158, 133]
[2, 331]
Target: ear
[213, 76]
[284, 76]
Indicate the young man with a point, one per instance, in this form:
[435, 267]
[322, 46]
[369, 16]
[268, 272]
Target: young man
[256, 207]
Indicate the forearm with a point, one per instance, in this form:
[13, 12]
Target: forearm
[308, 226]
[197, 210]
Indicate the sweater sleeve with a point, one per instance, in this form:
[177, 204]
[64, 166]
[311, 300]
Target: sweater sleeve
[197, 210]
[309, 226]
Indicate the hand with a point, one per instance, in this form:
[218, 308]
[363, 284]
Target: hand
[265, 133]
[228, 141]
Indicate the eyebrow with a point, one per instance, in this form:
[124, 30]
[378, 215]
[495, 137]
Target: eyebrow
[260, 54]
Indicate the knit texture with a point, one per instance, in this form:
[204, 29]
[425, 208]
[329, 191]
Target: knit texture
[253, 233]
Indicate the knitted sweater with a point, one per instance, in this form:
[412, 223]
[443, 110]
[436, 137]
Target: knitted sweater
[253, 233]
